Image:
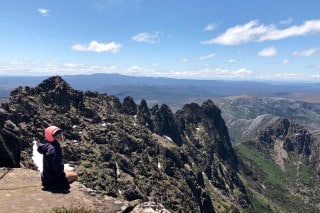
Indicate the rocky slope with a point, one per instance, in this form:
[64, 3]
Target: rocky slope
[279, 165]
[183, 160]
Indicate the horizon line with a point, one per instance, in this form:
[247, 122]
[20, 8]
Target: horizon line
[258, 80]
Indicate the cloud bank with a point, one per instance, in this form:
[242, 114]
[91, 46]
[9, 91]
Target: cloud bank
[47, 68]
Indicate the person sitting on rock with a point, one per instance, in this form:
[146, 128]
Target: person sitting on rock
[53, 175]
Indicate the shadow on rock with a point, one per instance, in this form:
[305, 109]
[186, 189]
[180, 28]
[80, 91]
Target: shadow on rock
[56, 190]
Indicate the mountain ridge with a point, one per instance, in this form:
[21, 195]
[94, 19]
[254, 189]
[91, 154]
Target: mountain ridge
[183, 160]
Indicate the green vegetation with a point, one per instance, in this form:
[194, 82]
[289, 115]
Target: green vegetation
[270, 188]
[272, 172]
[298, 174]
[293, 173]
[304, 174]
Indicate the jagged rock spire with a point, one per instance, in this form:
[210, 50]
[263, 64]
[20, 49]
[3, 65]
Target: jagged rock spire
[129, 106]
[56, 91]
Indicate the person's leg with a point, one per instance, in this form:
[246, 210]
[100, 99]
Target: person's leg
[71, 175]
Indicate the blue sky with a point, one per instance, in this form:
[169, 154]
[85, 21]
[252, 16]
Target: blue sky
[205, 39]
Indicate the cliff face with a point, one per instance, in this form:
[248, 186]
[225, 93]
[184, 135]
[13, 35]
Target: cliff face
[184, 160]
[9, 142]
[279, 165]
[286, 136]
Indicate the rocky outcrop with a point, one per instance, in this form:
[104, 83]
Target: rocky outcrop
[208, 144]
[144, 115]
[293, 137]
[129, 106]
[9, 142]
[57, 93]
[165, 123]
[281, 161]
[183, 160]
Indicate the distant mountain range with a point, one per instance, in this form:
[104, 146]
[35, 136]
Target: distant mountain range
[173, 92]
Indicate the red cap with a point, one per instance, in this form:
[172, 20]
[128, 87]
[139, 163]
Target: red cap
[50, 131]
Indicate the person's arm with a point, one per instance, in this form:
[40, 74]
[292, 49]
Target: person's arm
[57, 164]
[59, 169]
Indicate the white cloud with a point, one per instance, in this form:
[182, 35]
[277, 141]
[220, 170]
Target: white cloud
[242, 72]
[135, 68]
[286, 61]
[302, 53]
[48, 68]
[288, 76]
[239, 34]
[212, 73]
[231, 60]
[95, 46]
[207, 57]
[308, 52]
[150, 38]
[210, 27]
[309, 27]
[268, 52]
[43, 12]
[185, 59]
[315, 77]
[254, 31]
[201, 58]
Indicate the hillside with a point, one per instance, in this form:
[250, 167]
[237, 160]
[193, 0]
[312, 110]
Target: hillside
[280, 167]
[183, 160]
[244, 115]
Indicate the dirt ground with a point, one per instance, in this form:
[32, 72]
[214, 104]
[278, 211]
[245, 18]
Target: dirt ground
[21, 191]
